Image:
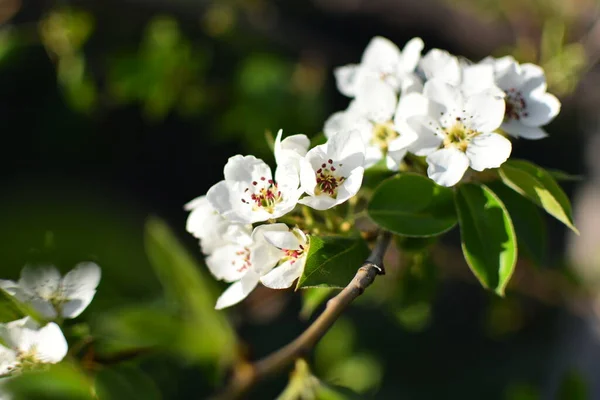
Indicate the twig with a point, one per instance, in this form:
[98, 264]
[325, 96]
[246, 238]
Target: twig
[246, 375]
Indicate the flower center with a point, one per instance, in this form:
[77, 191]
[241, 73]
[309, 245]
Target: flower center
[459, 136]
[264, 194]
[293, 255]
[243, 258]
[327, 180]
[515, 105]
[383, 134]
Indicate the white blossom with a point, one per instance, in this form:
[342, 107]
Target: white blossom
[243, 263]
[27, 344]
[528, 105]
[206, 224]
[291, 149]
[332, 173]
[458, 132]
[382, 59]
[249, 193]
[375, 114]
[294, 246]
[470, 78]
[54, 296]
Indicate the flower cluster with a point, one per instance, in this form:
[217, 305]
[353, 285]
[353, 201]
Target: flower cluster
[455, 113]
[271, 253]
[29, 343]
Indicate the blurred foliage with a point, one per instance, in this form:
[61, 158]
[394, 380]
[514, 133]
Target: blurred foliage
[188, 323]
[240, 84]
[165, 73]
[339, 361]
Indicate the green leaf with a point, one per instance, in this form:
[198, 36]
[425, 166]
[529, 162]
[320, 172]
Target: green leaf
[125, 382]
[530, 226]
[60, 382]
[488, 238]
[564, 176]
[188, 287]
[412, 205]
[540, 187]
[313, 298]
[332, 261]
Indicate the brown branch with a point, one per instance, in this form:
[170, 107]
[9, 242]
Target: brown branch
[247, 375]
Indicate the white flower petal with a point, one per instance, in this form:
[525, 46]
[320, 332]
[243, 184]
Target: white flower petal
[237, 291]
[411, 53]
[79, 286]
[381, 55]
[541, 109]
[10, 287]
[320, 202]
[228, 262]
[533, 79]
[488, 150]
[484, 112]
[245, 169]
[284, 275]
[8, 361]
[282, 239]
[428, 138]
[411, 83]
[440, 64]
[290, 149]
[264, 255]
[346, 78]
[477, 78]
[447, 166]
[445, 95]
[345, 146]
[517, 129]
[351, 185]
[308, 179]
[376, 99]
[220, 199]
[51, 345]
[42, 281]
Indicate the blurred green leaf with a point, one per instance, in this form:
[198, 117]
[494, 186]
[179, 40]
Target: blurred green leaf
[487, 234]
[573, 387]
[530, 227]
[540, 187]
[522, 392]
[332, 261]
[312, 298]
[564, 176]
[412, 205]
[59, 382]
[125, 382]
[187, 287]
[164, 74]
[303, 385]
[417, 284]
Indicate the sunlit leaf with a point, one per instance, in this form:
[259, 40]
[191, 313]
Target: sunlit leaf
[488, 238]
[530, 227]
[413, 205]
[332, 261]
[540, 187]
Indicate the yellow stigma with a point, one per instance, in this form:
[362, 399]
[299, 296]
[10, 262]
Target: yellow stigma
[459, 136]
[383, 134]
